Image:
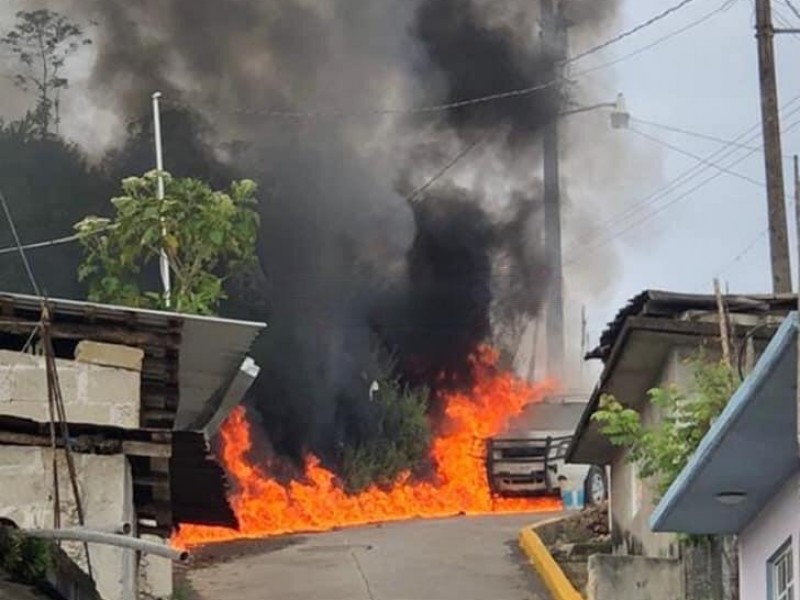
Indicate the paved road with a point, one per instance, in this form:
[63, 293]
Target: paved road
[455, 559]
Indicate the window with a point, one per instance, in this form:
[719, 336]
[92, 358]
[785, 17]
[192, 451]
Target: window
[780, 572]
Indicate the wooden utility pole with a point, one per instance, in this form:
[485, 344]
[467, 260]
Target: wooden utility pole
[554, 41]
[773, 156]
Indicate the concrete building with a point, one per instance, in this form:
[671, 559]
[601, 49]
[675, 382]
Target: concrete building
[646, 346]
[142, 392]
[744, 477]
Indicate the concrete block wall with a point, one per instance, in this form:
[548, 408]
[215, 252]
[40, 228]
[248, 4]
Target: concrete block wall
[93, 393]
[634, 578]
[106, 490]
[155, 574]
[101, 386]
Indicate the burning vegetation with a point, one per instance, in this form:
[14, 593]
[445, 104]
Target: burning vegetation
[317, 501]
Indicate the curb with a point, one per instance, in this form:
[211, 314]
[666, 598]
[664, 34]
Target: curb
[539, 556]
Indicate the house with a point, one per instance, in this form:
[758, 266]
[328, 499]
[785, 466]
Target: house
[142, 391]
[744, 477]
[646, 347]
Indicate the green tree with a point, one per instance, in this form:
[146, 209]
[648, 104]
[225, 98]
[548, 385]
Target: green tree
[661, 450]
[208, 236]
[400, 441]
[43, 40]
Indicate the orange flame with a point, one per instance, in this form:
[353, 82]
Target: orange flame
[266, 507]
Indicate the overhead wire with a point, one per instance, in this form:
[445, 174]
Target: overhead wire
[18, 244]
[723, 7]
[419, 192]
[580, 249]
[695, 134]
[698, 158]
[792, 7]
[618, 38]
[687, 175]
[524, 91]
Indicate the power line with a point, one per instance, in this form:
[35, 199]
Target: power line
[19, 247]
[723, 7]
[696, 134]
[653, 20]
[792, 7]
[685, 177]
[46, 244]
[744, 252]
[700, 159]
[672, 202]
[416, 194]
[308, 114]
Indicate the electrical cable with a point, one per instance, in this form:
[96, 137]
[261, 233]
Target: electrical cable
[683, 178]
[700, 159]
[695, 134]
[416, 194]
[652, 21]
[18, 244]
[309, 114]
[603, 241]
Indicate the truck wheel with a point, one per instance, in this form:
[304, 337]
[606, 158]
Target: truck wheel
[595, 489]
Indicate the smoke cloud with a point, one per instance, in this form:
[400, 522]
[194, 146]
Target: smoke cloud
[302, 96]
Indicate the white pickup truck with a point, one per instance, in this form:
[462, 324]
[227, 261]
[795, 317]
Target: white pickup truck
[528, 460]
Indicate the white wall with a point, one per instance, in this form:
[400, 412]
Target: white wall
[777, 521]
[633, 499]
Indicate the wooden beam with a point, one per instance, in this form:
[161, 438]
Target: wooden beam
[149, 449]
[98, 332]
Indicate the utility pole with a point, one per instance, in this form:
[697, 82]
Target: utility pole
[554, 42]
[773, 156]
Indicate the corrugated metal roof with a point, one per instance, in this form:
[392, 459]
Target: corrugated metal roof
[658, 303]
[211, 349]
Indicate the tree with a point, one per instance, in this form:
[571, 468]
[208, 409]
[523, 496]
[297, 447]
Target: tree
[43, 40]
[400, 440]
[662, 450]
[208, 236]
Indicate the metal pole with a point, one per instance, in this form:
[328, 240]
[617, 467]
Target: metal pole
[797, 221]
[163, 259]
[554, 40]
[776, 208]
[109, 539]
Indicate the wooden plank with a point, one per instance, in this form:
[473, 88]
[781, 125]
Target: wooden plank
[147, 449]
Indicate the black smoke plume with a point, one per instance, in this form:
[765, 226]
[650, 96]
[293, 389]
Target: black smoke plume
[301, 96]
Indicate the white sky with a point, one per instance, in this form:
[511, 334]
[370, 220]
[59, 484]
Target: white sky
[704, 80]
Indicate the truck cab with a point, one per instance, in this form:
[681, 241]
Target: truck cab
[528, 460]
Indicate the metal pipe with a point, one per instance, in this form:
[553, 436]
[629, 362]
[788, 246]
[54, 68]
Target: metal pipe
[110, 539]
[121, 529]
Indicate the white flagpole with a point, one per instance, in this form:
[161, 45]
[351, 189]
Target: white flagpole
[164, 260]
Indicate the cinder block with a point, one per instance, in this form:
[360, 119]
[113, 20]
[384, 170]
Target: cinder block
[110, 355]
[117, 387]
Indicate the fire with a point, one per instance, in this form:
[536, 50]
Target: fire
[266, 507]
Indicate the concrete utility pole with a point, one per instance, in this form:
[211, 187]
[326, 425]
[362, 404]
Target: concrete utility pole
[554, 41]
[773, 156]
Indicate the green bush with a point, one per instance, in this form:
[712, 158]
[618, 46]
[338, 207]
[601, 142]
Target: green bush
[400, 442]
[24, 558]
